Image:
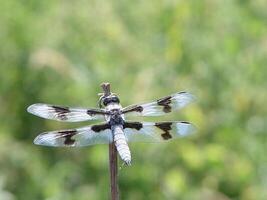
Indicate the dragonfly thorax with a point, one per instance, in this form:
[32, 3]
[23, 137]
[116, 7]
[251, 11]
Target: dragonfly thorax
[116, 119]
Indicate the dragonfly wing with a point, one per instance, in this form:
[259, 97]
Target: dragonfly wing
[156, 132]
[161, 106]
[61, 113]
[85, 136]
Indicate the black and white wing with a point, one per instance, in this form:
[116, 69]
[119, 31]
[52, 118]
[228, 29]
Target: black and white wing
[61, 113]
[85, 136]
[161, 106]
[156, 132]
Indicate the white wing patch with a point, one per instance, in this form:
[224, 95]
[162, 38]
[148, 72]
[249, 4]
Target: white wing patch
[85, 136]
[156, 132]
[61, 113]
[161, 106]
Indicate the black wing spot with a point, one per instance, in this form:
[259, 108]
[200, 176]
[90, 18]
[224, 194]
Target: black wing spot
[68, 136]
[90, 112]
[136, 108]
[100, 127]
[135, 125]
[166, 127]
[61, 112]
[93, 112]
[182, 92]
[184, 122]
[165, 102]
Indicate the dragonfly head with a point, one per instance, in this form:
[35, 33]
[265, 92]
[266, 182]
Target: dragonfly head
[106, 100]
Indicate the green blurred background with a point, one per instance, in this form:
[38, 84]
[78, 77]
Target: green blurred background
[59, 52]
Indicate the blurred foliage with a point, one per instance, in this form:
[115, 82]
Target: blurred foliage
[60, 51]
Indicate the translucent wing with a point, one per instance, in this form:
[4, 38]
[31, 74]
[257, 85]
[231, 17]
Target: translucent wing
[89, 135]
[61, 113]
[161, 106]
[156, 132]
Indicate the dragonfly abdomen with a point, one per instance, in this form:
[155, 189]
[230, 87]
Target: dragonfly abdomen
[121, 144]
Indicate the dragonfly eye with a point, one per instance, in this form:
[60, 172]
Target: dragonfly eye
[115, 99]
[105, 101]
[111, 99]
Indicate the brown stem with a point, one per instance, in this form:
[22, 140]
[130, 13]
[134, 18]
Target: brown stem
[113, 163]
[106, 88]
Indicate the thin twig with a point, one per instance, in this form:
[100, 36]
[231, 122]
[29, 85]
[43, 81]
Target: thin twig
[113, 163]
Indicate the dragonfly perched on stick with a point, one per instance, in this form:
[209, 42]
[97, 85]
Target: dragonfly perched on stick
[115, 128]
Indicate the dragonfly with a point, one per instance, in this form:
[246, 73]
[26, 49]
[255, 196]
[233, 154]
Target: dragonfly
[115, 127]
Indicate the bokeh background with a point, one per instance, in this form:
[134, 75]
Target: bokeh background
[59, 52]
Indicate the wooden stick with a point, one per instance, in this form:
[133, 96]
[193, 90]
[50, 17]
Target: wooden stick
[106, 88]
[113, 163]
